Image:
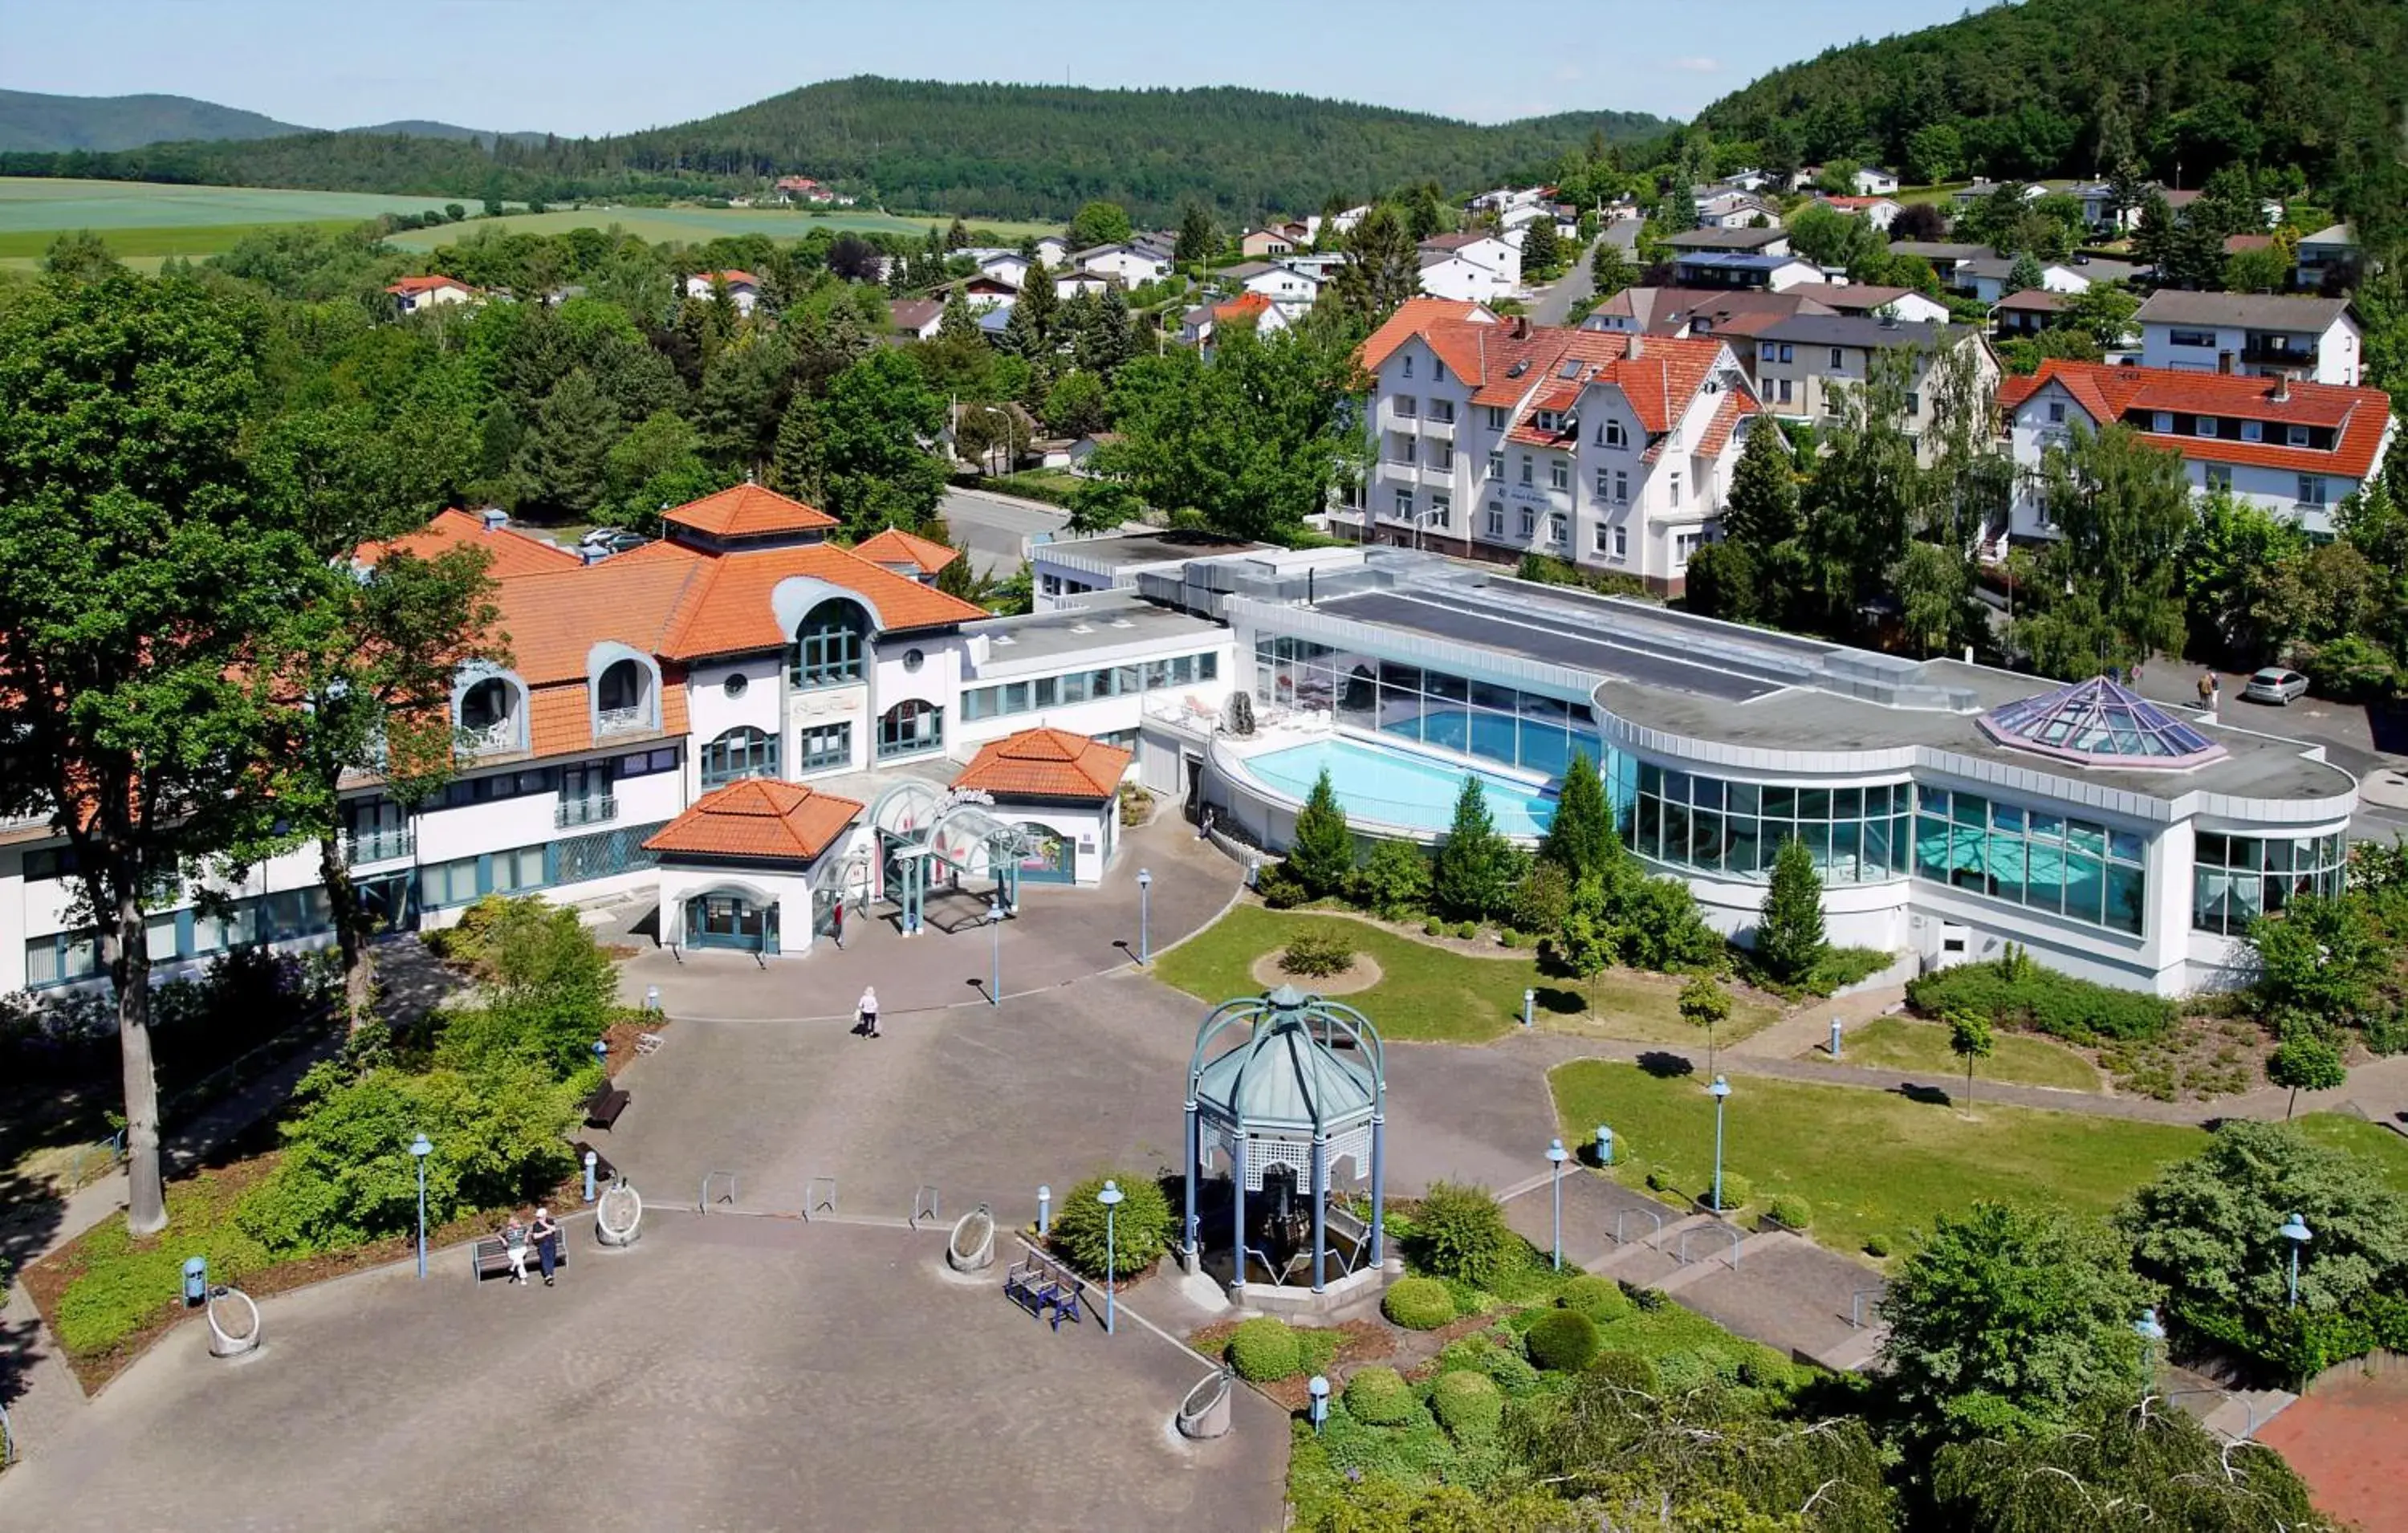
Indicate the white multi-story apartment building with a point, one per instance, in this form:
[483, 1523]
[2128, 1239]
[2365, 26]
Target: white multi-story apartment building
[2298, 449]
[1495, 439]
[2259, 335]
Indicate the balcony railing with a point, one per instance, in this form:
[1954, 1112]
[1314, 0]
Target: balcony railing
[623, 721]
[585, 811]
[379, 846]
[2278, 354]
[485, 740]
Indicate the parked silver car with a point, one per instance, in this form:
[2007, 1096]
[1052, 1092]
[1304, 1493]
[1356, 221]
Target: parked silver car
[2275, 685]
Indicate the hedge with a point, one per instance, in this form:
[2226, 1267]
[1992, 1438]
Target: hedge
[1599, 1298]
[1562, 1341]
[2043, 999]
[1418, 1304]
[1377, 1396]
[1468, 1405]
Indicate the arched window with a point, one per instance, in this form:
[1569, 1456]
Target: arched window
[486, 703]
[622, 688]
[909, 727]
[741, 753]
[829, 647]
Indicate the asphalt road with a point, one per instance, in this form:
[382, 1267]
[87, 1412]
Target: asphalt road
[994, 530]
[1551, 306]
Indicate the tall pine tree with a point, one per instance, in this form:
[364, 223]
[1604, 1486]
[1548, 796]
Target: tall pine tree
[1322, 852]
[1761, 508]
[1474, 871]
[1789, 933]
[1582, 839]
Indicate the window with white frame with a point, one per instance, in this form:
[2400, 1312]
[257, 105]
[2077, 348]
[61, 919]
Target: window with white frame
[1409, 365]
[1442, 412]
[1405, 406]
[1621, 542]
[2294, 435]
[1600, 538]
[1495, 520]
[1839, 359]
[1559, 473]
[1497, 465]
[1441, 510]
[1495, 417]
[2161, 420]
[1609, 433]
[2056, 412]
[1784, 396]
[1445, 450]
[1526, 468]
[1684, 547]
[2218, 475]
[1604, 484]
[1404, 508]
[1559, 529]
[2202, 425]
[1621, 487]
[2252, 431]
[1672, 488]
[1529, 523]
[2312, 489]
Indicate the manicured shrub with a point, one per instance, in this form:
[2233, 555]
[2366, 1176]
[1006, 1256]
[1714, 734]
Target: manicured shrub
[1140, 1227]
[1377, 1396]
[2022, 993]
[1316, 956]
[1264, 1349]
[1679, 1372]
[1467, 930]
[1433, 926]
[1280, 889]
[1599, 1298]
[1468, 1405]
[1796, 1212]
[1512, 1371]
[1418, 1304]
[1736, 1190]
[1659, 1179]
[1460, 1232]
[1315, 1350]
[1626, 1371]
[1876, 1245]
[1562, 1342]
[1646, 1300]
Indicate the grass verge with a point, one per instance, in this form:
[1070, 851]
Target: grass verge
[2340, 1131]
[1899, 1043]
[1870, 1163]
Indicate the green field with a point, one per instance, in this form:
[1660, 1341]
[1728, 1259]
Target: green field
[36, 205]
[693, 225]
[1867, 1161]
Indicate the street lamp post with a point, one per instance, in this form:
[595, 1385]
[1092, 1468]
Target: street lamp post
[2151, 1331]
[2295, 1229]
[1720, 1092]
[418, 1151]
[1556, 1155]
[1144, 914]
[1110, 1199]
[994, 925]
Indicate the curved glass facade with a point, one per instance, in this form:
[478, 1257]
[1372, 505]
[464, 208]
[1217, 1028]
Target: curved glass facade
[1525, 729]
[2077, 868]
[2241, 878]
[1735, 829]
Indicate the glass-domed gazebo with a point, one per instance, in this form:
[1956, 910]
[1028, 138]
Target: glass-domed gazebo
[2098, 723]
[1285, 1086]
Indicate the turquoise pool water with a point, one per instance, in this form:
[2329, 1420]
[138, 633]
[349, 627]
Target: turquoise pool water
[1399, 788]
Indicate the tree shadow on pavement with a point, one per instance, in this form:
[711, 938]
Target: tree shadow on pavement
[30, 1215]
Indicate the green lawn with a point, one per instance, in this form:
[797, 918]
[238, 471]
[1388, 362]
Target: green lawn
[1868, 1162]
[693, 225]
[155, 244]
[1428, 992]
[2387, 1150]
[1901, 1043]
[37, 205]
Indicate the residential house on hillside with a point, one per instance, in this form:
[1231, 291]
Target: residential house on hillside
[1495, 439]
[1744, 269]
[915, 317]
[1749, 180]
[1876, 181]
[1488, 249]
[1799, 365]
[413, 293]
[983, 293]
[1201, 326]
[1985, 278]
[1877, 299]
[1505, 199]
[1008, 267]
[744, 288]
[1733, 210]
[793, 189]
[1274, 240]
[2327, 256]
[1283, 283]
[1344, 222]
[1469, 267]
[2252, 334]
[1943, 256]
[1765, 241]
[2295, 449]
[1134, 263]
[1071, 284]
[1699, 311]
[1320, 265]
[2027, 312]
[1881, 212]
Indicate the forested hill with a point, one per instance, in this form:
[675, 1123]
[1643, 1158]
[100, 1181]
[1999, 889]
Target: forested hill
[2033, 89]
[1003, 150]
[30, 120]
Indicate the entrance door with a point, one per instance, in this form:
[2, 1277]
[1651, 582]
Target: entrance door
[1192, 769]
[725, 919]
[1052, 857]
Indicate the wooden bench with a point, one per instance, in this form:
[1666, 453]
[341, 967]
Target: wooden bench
[1045, 1288]
[602, 1108]
[490, 1257]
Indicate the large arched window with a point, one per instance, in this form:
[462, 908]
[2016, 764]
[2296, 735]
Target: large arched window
[909, 727]
[741, 753]
[486, 703]
[828, 644]
[623, 687]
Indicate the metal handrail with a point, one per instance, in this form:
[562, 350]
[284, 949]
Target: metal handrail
[380, 845]
[1658, 1242]
[703, 1202]
[1717, 1229]
[1856, 1306]
[585, 811]
[1277, 1275]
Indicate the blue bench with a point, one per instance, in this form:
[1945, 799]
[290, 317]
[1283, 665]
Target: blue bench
[1045, 1288]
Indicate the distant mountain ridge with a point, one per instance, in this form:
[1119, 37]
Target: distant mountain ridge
[32, 122]
[1001, 151]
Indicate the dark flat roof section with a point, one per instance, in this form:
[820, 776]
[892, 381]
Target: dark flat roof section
[1525, 633]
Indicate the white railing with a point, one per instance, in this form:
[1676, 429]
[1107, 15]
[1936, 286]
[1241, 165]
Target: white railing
[500, 735]
[585, 811]
[379, 846]
[619, 721]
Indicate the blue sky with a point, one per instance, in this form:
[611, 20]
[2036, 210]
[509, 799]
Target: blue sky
[604, 65]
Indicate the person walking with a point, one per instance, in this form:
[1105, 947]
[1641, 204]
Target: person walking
[868, 1007]
[2207, 692]
[836, 923]
[545, 1233]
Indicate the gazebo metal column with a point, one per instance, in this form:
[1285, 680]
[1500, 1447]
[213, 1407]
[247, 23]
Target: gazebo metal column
[1379, 1185]
[1320, 1197]
[1191, 1247]
[1237, 1218]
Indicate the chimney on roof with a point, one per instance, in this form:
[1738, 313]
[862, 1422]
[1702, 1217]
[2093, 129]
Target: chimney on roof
[2282, 395]
[1637, 347]
[494, 517]
[1521, 327]
[2224, 362]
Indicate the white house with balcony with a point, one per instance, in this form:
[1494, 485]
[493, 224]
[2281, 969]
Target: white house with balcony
[2297, 449]
[2255, 334]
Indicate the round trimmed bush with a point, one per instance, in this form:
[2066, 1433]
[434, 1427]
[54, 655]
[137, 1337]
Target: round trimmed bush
[1563, 1340]
[1468, 1405]
[1418, 1304]
[1377, 1396]
[1433, 926]
[1659, 1179]
[1460, 1232]
[1599, 1298]
[1876, 1245]
[1512, 1371]
[1796, 1212]
[1626, 1371]
[1467, 930]
[1141, 1227]
[1263, 1349]
[1316, 956]
[1680, 1372]
[1736, 1190]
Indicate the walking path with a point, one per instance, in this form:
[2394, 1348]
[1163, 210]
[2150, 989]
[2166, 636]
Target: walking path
[1809, 1025]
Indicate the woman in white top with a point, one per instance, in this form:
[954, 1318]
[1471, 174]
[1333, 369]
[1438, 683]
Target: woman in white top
[868, 1009]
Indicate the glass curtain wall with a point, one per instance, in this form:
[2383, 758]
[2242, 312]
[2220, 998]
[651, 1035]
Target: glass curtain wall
[2241, 878]
[1735, 829]
[2077, 868]
[1525, 729]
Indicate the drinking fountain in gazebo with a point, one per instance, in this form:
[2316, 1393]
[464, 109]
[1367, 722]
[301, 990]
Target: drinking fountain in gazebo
[1285, 1086]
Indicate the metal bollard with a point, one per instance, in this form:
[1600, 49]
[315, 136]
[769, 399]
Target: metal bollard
[590, 1158]
[1604, 1145]
[1529, 1005]
[653, 997]
[1044, 1211]
[196, 1281]
[1835, 1038]
[1319, 1409]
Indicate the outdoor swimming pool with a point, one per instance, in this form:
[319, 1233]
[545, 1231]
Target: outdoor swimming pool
[1398, 788]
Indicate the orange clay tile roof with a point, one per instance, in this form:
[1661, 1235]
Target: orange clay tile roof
[1718, 430]
[514, 552]
[732, 277]
[1563, 365]
[897, 547]
[427, 284]
[1458, 332]
[758, 817]
[1045, 763]
[559, 721]
[1244, 307]
[2360, 416]
[747, 510]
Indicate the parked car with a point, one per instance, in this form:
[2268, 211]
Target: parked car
[2275, 685]
[607, 540]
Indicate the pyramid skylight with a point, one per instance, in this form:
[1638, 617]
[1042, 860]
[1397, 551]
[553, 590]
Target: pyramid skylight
[2100, 724]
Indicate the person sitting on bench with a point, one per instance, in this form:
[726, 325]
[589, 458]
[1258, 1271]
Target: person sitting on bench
[514, 1244]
